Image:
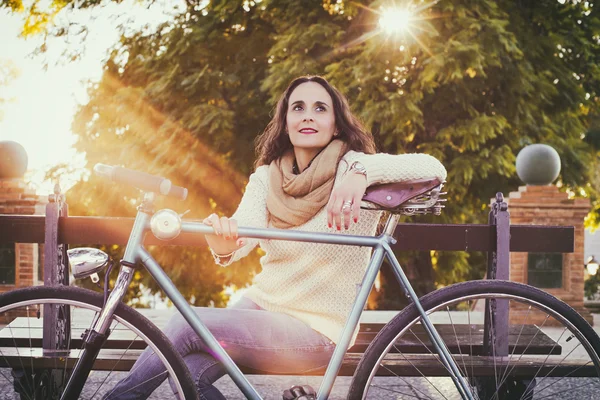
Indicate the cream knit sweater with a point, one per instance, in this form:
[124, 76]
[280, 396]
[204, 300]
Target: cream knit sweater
[317, 283]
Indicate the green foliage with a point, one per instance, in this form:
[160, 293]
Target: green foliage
[14, 5]
[591, 286]
[40, 15]
[488, 79]
[474, 82]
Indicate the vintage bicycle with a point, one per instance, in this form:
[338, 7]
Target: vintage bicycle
[484, 339]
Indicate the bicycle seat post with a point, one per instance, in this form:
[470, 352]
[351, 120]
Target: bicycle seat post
[391, 224]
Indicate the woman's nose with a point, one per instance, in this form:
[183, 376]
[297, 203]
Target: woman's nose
[308, 118]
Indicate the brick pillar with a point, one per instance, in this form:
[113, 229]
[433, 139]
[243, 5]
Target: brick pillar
[545, 205]
[16, 197]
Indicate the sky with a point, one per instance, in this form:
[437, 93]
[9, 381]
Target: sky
[43, 102]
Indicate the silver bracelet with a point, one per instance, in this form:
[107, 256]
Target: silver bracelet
[221, 259]
[358, 168]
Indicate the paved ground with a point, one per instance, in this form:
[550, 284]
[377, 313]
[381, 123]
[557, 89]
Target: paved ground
[271, 388]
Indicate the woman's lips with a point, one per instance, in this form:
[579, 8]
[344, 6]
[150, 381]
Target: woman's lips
[308, 131]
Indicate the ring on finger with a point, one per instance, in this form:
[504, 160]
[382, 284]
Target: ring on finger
[347, 204]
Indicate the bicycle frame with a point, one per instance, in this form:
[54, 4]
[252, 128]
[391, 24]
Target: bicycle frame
[136, 253]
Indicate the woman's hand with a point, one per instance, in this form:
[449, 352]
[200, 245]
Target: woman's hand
[225, 239]
[345, 200]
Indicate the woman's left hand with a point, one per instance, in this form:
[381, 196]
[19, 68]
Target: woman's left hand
[345, 200]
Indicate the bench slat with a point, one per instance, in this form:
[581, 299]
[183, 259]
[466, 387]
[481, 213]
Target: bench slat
[395, 364]
[449, 237]
[459, 338]
[527, 366]
[108, 359]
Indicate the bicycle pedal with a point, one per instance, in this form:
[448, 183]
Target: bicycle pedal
[304, 392]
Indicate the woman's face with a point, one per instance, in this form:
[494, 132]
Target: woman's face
[310, 118]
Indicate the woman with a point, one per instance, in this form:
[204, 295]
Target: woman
[315, 161]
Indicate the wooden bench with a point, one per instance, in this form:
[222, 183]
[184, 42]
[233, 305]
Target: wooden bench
[22, 338]
[498, 238]
[21, 344]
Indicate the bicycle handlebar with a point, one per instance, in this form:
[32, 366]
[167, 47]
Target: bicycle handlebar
[140, 180]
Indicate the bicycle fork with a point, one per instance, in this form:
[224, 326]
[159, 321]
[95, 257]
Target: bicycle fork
[94, 338]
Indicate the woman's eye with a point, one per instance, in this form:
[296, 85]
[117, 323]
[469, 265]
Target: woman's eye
[297, 108]
[321, 108]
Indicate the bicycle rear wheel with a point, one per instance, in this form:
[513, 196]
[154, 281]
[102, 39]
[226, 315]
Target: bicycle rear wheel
[551, 352]
[30, 370]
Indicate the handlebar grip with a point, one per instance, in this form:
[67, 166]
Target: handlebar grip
[141, 180]
[178, 192]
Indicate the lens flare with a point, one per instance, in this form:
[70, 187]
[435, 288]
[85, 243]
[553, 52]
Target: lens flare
[395, 20]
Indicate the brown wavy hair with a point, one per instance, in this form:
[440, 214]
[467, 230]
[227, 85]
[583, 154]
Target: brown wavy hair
[274, 141]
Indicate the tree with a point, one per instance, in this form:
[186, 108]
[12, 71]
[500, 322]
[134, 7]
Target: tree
[486, 78]
[471, 82]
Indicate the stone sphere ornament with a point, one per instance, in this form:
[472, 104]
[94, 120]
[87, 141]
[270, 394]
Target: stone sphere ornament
[13, 160]
[538, 164]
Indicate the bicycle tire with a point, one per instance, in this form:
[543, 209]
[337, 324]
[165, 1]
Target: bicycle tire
[30, 381]
[386, 346]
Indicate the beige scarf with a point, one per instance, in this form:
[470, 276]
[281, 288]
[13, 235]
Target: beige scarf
[294, 199]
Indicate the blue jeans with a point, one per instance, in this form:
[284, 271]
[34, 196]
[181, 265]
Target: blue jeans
[253, 337]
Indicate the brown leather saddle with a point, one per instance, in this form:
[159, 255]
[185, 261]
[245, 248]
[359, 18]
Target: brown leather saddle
[408, 198]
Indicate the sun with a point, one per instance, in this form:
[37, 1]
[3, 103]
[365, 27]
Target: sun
[396, 20]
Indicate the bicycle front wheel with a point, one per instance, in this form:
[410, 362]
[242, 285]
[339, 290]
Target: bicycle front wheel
[36, 358]
[541, 349]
